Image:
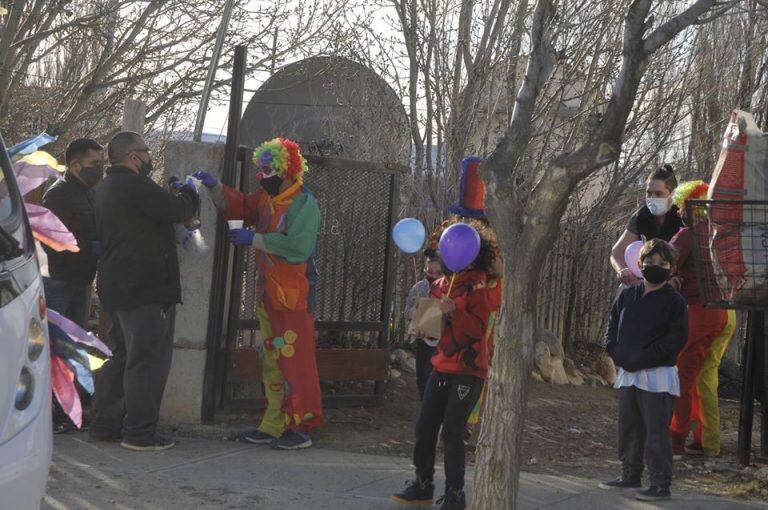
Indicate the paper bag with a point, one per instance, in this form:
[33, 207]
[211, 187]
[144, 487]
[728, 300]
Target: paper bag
[427, 319]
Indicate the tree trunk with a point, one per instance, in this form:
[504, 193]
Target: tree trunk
[500, 442]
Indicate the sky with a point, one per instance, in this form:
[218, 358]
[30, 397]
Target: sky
[216, 116]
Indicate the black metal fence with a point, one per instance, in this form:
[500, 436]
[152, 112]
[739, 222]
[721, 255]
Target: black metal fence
[730, 243]
[730, 248]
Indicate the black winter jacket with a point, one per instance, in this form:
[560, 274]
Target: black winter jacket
[134, 219]
[647, 331]
[72, 202]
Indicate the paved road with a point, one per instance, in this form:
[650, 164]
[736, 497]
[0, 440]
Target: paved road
[203, 474]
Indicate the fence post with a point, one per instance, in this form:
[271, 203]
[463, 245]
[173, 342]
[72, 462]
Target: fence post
[134, 112]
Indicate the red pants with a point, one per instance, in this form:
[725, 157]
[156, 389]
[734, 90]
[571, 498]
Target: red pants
[704, 325]
[294, 400]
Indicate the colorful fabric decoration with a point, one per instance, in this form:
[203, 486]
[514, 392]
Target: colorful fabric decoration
[30, 145]
[689, 190]
[35, 170]
[32, 171]
[281, 156]
[49, 230]
[77, 333]
[63, 383]
[70, 361]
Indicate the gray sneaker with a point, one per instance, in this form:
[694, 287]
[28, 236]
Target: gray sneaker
[153, 444]
[256, 437]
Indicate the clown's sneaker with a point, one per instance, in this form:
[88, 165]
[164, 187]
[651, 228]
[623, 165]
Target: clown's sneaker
[257, 437]
[292, 440]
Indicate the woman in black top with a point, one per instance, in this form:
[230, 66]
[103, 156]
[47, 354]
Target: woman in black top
[657, 219]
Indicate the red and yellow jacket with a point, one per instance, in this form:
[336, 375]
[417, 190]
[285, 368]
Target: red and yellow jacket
[464, 347]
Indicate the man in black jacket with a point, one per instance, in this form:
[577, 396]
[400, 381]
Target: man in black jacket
[70, 275]
[139, 286]
[71, 200]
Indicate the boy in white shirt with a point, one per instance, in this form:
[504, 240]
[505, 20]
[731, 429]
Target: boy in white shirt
[648, 327]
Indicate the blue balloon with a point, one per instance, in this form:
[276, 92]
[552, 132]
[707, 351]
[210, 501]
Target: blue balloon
[409, 235]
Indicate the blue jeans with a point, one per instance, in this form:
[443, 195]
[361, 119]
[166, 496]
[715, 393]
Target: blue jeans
[67, 298]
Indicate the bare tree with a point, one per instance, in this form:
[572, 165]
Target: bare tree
[526, 204]
[91, 54]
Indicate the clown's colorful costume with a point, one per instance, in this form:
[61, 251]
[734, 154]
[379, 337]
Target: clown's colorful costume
[285, 217]
[710, 330]
[471, 207]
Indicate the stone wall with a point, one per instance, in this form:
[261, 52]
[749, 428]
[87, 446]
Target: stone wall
[184, 391]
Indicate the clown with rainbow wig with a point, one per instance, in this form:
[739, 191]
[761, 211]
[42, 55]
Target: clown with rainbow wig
[281, 221]
[709, 331]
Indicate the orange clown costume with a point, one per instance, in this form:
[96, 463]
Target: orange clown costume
[710, 330]
[285, 217]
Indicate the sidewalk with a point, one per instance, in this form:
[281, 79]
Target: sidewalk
[203, 474]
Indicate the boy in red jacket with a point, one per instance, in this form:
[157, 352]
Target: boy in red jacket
[453, 388]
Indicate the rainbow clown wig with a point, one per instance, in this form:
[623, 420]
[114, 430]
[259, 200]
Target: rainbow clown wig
[690, 190]
[281, 156]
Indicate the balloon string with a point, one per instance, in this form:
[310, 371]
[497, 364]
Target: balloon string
[415, 270]
[450, 286]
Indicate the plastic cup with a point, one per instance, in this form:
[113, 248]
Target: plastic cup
[233, 224]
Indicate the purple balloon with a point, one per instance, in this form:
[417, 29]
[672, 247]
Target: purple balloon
[459, 246]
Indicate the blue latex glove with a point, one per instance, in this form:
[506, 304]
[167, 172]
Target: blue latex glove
[241, 237]
[208, 180]
[174, 183]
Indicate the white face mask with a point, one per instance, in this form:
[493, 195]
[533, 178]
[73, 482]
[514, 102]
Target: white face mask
[658, 206]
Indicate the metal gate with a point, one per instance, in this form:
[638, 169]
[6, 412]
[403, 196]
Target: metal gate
[354, 258]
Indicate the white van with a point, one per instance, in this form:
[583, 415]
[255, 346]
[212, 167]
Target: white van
[26, 439]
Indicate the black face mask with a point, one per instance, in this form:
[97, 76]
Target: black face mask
[146, 168]
[91, 175]
[272, 185]
[656, 274]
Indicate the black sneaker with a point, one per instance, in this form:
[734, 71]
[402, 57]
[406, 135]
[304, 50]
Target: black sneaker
[654, 493]
[416, 492]
[153, 444]
[620, 483]
[256, 437]
[454, 499]
[292, 440]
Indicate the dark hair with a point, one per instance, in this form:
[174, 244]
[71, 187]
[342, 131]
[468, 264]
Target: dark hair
[80, 147]
[120, 145]
[488, 243]
[430, 254]
[658, 246]
[667, 174]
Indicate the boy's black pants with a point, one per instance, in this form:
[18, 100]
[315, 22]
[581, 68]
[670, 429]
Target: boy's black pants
[644, 419]
[448, 401]
[424, 353]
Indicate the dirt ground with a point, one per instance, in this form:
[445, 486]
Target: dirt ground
[569, 430]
